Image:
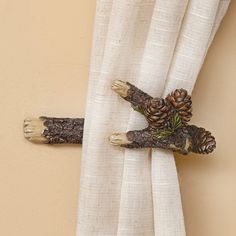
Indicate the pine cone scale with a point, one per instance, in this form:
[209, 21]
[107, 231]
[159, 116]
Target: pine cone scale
[157, 113]
[181, 103]
[202, 141]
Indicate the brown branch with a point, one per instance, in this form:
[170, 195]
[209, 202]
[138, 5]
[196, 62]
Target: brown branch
[132, 94]
[54, 130]
[137, 97]
[179, 141]
[63, 130]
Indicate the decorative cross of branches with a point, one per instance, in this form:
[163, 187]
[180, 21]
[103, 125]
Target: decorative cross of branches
[167, 119]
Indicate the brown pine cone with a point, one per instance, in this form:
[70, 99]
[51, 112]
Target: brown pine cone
[157, 113]
[181, 103]
[202, 140]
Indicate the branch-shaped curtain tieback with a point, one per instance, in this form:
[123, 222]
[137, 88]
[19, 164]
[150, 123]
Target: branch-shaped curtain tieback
[167, 118]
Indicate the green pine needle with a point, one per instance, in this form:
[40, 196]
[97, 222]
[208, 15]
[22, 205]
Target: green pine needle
[176, 121]
[175, 124]
[163, 134]
[138, 109]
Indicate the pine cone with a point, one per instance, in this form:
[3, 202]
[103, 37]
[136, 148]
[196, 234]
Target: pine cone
[181, 103]
[202, 140]
[157, 113]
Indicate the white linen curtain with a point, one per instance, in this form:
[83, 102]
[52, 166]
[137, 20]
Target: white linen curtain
[158, 46]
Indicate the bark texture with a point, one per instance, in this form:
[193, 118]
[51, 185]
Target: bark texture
[63, 130]
[137, 97]
[179, 141]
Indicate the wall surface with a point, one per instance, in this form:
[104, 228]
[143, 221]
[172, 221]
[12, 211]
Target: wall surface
[44, 61]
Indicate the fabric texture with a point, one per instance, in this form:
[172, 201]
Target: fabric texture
[158, 46]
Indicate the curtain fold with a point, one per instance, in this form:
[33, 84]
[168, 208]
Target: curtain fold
[158, 46]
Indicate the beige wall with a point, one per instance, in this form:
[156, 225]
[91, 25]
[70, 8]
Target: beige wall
[44, 58]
